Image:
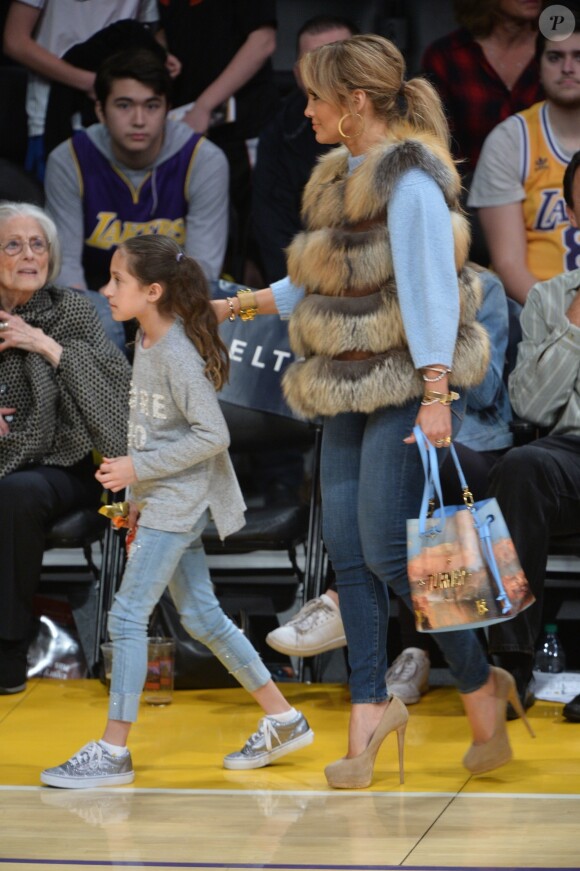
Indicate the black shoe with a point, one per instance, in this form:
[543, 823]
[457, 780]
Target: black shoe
[572, 710]
[13, 666]
[9, 691]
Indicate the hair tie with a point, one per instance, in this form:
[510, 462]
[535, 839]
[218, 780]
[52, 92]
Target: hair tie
[401, 100]
[179, 257]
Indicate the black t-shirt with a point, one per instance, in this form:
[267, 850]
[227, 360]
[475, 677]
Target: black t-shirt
[205, 36]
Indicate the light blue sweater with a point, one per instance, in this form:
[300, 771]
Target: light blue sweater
[419, 225]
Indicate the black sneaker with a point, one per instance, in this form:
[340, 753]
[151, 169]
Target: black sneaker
[571, 711]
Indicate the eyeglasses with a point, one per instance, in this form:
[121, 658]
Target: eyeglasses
[37, 245]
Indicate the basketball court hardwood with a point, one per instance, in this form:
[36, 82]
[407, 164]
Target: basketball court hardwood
[186, 811]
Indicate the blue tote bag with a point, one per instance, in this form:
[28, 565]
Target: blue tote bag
[463, 569]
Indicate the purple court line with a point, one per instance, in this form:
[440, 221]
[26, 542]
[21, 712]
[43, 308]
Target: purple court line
[275, 866]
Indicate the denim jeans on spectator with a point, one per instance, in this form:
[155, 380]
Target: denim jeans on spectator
[176, 559]
[537, 487]
[371, 483]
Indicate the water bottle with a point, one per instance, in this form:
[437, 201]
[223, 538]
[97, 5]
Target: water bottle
[550, 656]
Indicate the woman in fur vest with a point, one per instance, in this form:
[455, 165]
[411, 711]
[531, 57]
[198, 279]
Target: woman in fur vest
[382, 320]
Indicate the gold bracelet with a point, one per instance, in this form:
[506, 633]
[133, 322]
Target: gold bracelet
[431, 397]
[248, 304]
[232, 315]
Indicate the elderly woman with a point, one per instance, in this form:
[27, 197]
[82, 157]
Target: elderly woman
[63, 393]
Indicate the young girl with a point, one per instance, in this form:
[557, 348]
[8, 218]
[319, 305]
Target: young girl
[179, 472]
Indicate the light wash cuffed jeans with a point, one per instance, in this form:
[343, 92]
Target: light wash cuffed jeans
[371, 483]
[159, 559]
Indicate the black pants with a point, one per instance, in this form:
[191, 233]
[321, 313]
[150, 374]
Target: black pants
[538, 490]
[30, 501]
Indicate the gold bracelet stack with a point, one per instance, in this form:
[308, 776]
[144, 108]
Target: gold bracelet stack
[431, 397]
[248, 304]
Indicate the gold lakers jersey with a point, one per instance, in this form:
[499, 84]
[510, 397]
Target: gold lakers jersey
[553, 244]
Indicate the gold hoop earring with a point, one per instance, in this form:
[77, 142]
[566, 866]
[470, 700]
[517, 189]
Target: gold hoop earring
[351, 135]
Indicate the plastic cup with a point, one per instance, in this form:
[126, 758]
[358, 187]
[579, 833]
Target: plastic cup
[158, 688]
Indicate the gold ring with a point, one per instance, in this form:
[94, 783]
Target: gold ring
[440, 443]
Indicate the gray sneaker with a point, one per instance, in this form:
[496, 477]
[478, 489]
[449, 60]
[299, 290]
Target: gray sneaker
[408, 676]
[91, 766]
[272, 740]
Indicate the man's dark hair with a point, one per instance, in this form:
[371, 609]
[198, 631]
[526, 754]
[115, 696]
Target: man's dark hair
[574, 8]
[568, 183]
[140, 64]
[322, 23]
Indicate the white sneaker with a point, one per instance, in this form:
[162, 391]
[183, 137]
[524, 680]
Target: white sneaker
[408, 676]
[315, 628]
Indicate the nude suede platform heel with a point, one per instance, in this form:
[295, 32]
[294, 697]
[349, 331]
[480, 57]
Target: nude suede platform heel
[497, 751]
[357, 773]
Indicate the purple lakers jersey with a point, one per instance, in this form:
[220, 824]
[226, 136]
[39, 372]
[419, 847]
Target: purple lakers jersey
[114, 210]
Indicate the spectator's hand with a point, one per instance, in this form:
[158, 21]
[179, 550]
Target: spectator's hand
[173, 65]
[221, 309]
[16, 333]
[4, 427]
[116, 474]
[198, 118]
[86, 83]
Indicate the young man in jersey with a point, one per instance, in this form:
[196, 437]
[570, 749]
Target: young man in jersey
[135, 172]
[517, 186]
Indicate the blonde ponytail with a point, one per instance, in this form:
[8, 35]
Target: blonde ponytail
[419, 107]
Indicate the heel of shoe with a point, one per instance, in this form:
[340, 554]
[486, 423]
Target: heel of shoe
[506, 688]
[516, 704]
[401, 748]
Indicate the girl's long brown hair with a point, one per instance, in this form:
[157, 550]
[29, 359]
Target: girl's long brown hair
[159, 259]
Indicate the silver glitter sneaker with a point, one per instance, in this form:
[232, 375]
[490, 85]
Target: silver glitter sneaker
[272, 740]
[91, 766]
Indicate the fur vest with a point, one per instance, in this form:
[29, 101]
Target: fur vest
[348, 328]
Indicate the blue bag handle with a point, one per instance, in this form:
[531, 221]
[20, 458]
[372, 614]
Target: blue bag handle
[428, 454]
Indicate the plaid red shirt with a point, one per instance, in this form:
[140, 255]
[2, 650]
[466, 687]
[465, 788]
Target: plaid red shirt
[474, 96]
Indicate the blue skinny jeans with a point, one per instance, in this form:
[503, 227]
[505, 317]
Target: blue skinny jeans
[159, 559]
[371, 483]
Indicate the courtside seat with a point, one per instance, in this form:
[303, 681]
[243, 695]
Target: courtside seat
[265, 585]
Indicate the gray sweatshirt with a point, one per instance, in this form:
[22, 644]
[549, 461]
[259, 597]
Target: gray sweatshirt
[178, 440]
[206, 222]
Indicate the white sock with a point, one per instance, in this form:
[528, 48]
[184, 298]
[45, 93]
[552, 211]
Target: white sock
[286, 717]
[114, 749]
